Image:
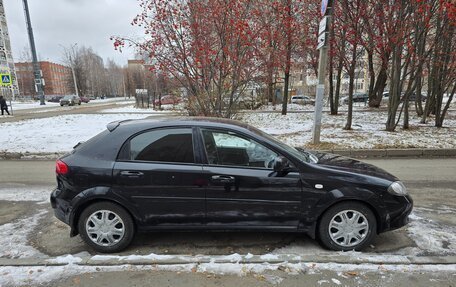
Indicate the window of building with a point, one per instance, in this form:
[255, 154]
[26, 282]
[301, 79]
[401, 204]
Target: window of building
[164, 145]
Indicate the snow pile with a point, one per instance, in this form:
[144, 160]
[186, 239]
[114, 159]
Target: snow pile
[13, 237]
[22, 192]
[431, 237]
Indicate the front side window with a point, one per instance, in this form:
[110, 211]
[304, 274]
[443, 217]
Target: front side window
[227, 148]
[164, 145]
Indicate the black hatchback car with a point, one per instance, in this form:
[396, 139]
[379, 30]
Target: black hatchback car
[213, 174]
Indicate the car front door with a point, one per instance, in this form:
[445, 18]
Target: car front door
[243, 191]
[158, 172]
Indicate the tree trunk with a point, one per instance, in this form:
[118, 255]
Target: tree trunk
[338, 84]
[371, 92]
[288, 60]
[331, 86]
[285, 93]
[395, 89]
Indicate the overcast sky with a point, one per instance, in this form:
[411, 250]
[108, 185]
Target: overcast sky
[65, 22]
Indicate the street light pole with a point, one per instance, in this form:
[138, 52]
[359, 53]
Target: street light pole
[36, 65]
[72, 70]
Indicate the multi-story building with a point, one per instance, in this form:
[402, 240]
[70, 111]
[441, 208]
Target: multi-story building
[6, 57]
[57, 79]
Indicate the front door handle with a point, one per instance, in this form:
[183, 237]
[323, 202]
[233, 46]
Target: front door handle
[129, 173]
[224, 179]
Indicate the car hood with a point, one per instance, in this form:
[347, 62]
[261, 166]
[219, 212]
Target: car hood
[347, 164]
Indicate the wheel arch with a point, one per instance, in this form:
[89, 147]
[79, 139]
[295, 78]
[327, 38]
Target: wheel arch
[76, 214]
[345, 200]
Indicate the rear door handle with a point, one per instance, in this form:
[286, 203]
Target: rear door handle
[225, 179]
[129, 173]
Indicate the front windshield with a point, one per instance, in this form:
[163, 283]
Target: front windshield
[301, 155]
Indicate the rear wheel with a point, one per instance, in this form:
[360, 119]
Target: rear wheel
[106, 227]
[347, 226]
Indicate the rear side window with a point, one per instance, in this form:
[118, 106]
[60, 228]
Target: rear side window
[164, 145]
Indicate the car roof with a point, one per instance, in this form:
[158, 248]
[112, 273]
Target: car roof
[152, 122]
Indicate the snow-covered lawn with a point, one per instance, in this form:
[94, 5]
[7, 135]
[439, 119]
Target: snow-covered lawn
[59, 134]
[368, 130]
[55, 134]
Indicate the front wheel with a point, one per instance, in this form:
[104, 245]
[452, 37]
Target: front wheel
[347, 226]
[106, 227]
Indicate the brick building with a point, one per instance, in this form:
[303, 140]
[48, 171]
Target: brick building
[57, 79]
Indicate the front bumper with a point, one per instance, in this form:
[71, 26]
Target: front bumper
[398, 218]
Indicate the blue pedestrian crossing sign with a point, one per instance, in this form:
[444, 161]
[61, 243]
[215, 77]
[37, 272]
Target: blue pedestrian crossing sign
[6, 79]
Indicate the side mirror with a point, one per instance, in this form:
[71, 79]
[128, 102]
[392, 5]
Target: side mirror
[280, 164]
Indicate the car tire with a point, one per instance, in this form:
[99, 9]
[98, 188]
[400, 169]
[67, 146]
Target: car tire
[116, 229]
[347, 226]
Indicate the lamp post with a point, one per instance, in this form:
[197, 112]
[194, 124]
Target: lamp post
[72, 70]
[36, 65]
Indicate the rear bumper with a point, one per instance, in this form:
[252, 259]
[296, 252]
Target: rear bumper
[60, 206]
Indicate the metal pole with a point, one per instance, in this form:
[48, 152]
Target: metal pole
[72, 71]
[316, 130]
[36, 65]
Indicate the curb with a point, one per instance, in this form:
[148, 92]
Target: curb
[106, 260]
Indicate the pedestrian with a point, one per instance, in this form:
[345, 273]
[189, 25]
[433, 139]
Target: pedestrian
[3, 105]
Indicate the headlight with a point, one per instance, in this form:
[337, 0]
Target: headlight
[397, 188]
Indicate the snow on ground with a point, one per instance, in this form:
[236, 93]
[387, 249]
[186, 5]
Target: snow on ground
[13, 237]
[368, 130]
[23, 192]
[55, 134]
[40, 275]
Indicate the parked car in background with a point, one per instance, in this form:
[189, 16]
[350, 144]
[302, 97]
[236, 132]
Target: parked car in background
[168, 100]
[85, 99]
[303, 100]
[357, 98]
[220, 175]
[70, 100]
[55, 99]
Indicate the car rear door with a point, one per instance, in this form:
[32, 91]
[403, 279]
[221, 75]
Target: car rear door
[158, 172]
[243, 191]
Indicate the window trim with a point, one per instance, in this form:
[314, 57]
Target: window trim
[124, 152]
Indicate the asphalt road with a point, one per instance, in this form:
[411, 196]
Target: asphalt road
[431, 182]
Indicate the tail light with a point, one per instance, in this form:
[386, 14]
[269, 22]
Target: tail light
[61, 168]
